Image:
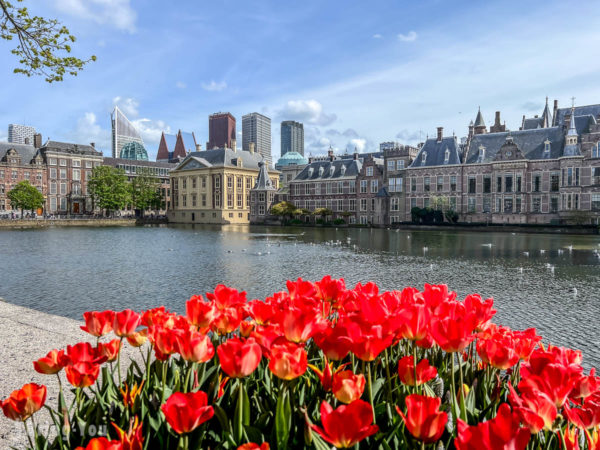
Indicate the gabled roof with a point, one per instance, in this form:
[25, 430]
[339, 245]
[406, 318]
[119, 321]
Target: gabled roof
[586, 110]
[189, 141]
[546, 116]
[530, 142]
[69, 147]
[26, 152]
[532, 123]
[436, 152]
[221, 157]
[351, 168]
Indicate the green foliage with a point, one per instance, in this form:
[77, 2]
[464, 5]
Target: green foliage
[284, 209]
[323, 212]
[339, 222]
[43, 45]
[25, 196]
[109, 188]
[145, 191]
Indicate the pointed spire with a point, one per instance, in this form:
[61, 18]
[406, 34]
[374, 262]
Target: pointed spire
[479, 119]
[263, 181]
[546, 116]
[572, 130]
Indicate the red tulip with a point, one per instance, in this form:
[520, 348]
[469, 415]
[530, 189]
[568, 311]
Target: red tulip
[369, 341]
[348, 386]
[451, 327]
[133, 439]
[586, 385]
[536, 410]
[83, 352]
[334, 342]
[555, 380]
[501, 433]
[185, 412]
[299, 325]
[325, 375]
[110, 350]
[98, 323]
[586, 417]
[483, 311]
[253, 446]
[194, 346]
[239, 358]
[125, 322]
[24, 402]
[227, 320]
[52, 363]
[246, 328]
[225, 297]
[346, 425]
[138, 338]
[82, 374]
[301, 288]
[261, 312]
[101, 443]
[525, 342]
[199, 312]
[414, 321]
[165, 342]
[435, 295]
[571, 438]
[329, 289]
[423, 418]
[406, 371]
[287, 360]
[498, 351]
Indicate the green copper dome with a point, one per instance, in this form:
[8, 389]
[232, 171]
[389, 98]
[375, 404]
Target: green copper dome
[134, 150]
[291, 158]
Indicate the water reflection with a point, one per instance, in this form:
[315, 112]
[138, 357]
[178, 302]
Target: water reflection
[531, 277]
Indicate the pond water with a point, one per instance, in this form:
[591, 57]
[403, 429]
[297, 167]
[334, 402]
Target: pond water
[551, 282]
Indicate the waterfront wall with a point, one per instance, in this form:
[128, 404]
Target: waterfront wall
[41, 223]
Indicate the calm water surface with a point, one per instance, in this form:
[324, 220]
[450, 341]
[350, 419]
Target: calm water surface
[550, 282]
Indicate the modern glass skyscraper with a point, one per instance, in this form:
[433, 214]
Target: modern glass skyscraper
[292, 137]
[257, 128]
[20, 134]
[123, 132]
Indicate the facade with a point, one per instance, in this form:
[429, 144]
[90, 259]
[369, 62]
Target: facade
[158, 169]
[256, 129]
[372, 196]
[290, 165]
[123, 132]
[20, 134]
[396, 162]
[292, 137]
[174, 148]
[221, 131]
[19, 162]
[262, 196]
[69, 168]
[390, 145]
[213, 186]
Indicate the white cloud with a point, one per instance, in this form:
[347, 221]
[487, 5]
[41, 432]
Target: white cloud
[3, 137]
[180, 85]
[359, 144]
[115, 13]
[88, 130]
[408, 137]
[377, 36]
[309, 111]
[151, 130]
[408, 37]
[214, 86]
[128, 105]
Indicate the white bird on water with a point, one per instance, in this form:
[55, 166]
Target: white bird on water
[489, 245]
[520, 270]
[560, 251]
[425, 249]
[574, 291]
[570, 248]
[526, 254]
[542, 252]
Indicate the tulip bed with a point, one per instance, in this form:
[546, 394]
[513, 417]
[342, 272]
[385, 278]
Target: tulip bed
[315, 366]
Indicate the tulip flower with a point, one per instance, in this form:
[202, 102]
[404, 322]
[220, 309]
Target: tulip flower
[199, 312]
[185, 412]
[287, 360]
[325, 375]
[82, 374]
[24, 402]
[334, 342]
[98, 323]
[329, 289]
[227, 320]
[423, 418]
[571, 438]
[483, 311]
[101, 443]
[586, 417]
[301, 288]
[253, 446]
[52, 363]
[406, 371]
[110, 350]
[369, 341]
[502, 432]
[125, 322]
[586, 385]
[261, 312]
[138, 338]
[246, 328]
[129, 395]
[451, 327]
[347, 425]
[555, 380]
[413, 322]
[225, 297]
[194, 346]
[84, 352]
[348, 386]
[536, 410]
[239, 358]
[133, 439]
[299, 325]
[165, 342]
[498, 351]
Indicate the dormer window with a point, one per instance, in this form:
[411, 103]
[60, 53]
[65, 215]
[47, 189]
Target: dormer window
[331, 170]
[321, 170]
[343, 170]
[481, 154]
[446, 156]
[310, 171]
[547, 149]
[423, 158]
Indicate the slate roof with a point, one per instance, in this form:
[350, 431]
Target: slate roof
[263, 181]
[27, 152]
[70, 148]
[586, 110]
[530, 142]
[352, 169]
[479, 119]
[115, 161]
[532, 123]
[436, 152]
[221, 157]
[582, 123]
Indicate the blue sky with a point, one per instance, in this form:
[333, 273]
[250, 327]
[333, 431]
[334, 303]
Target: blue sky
[355, 72]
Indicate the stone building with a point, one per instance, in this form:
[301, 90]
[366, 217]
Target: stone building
[262, 196]
[19, 162]
[396, 161]
[213, 186]
[69, 168]
[371, 195]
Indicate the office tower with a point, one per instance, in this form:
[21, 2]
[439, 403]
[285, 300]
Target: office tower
[292, 137]
[20, 134]
[257, 128]
[123, 133]
[221, 130]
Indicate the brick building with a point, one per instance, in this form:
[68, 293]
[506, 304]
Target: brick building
[19, 162]
[221, 131]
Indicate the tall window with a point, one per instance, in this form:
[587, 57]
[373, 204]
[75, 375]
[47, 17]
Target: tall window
[426, 184]
[446, 156]
[352, 187]
[487, 186]
[400, 164]
[423, 158]
[518, 184]
[194, 182]
[499, 184]
[440, 183]
[546, 149]
[453, 183]
[395, 204]
[472, 185]
[374, 186]
[596, 150]
[537, 183]
[363, 204]
[596, 202]
[554, 181]
[240, 183]
[363, 186]
[370, 171]
[413, 184]
[508, 183]
[391, 165]
[392, 185]
[596, 175]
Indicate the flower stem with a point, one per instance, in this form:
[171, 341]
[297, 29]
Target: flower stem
[414, 352]
[463, 410]
[370, 389]
[27, 433]
[164, 382]
[119, 361]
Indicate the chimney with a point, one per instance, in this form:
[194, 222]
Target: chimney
[37, 140]
[93, 144]
[440, 133]
[497, 121]
[251, 147]
[233, 145]
[355, 156]
[198, 147]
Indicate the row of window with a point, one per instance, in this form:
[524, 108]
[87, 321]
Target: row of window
[201, 181]
[76, 174]
[338, 205]
[397, 164]
[74, 163]
[158, 171]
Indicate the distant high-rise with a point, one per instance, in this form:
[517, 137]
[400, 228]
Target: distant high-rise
[20, 134]
[257, 128]
[123, 132]
[221, 130]
[292, 137]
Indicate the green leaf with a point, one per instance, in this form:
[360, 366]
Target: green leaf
[283, 417]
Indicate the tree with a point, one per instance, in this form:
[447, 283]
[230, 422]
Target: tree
[25, 196]
[109, 188]
[323, 212]
[43, 45]
[283, 209]
[145, 191]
